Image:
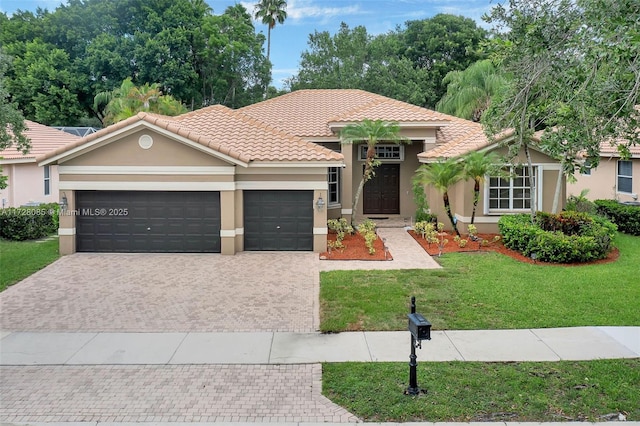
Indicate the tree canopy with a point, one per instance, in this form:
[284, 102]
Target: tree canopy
[62, 59]
[407, 64]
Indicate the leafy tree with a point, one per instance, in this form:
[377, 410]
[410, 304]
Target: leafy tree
[442, 175]
[128, 100]
[469, 92]
[370, 132]
[476, 166]
[442, 44]
[12, 124]
[45, 84]
[576, 69]
[271, 12]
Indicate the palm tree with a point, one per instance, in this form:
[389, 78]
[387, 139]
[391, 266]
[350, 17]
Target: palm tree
[442, 175]
[469, 92]
[370, 132]
[477, 165]
[271, 12]
[127, 100]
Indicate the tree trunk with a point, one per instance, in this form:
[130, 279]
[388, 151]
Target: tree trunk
[476, 198]
[268, 42]
[532, 181]
[447, 208]
[355, 202]
[556, 195]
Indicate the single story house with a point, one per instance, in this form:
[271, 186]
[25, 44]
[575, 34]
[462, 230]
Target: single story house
[498, 195]
[28, 183]
[613, 178]
[263, 177]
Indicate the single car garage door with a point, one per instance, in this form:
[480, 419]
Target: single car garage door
[148, 221]
[278, 220]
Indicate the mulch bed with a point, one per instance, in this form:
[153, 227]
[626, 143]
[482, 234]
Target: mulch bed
[475, 247]
[355, 249]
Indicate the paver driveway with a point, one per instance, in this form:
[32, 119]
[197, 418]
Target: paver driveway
[167, 292]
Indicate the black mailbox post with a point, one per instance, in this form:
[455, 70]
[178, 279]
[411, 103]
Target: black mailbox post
[420, 330]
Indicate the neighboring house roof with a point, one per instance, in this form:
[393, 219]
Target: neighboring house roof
[223, 130]
[310, 113]
[44, 139]
[610, 150]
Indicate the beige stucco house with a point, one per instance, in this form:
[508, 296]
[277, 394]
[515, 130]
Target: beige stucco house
[263, 177]
[28, 183]
[613, 179]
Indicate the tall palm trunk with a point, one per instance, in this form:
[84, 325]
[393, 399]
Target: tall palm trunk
[476, 198]
[447, 208]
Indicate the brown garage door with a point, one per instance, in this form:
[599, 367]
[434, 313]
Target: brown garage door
[278, 220]
[148, 221]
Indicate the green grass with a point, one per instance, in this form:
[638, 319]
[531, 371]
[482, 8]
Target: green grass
[487, 291]
[473, 391]
[19, 259]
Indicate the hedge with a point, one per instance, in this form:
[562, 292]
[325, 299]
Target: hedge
[29, 223]
[625, 216]
[568, 237]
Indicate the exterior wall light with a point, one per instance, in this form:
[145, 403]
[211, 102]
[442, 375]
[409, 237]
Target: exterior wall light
[64, 203]
[320, 204]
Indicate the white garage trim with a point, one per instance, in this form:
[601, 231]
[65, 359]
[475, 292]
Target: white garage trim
[320, 231]
[282, 185]
[227, 233]
[239, 231]
[66, 231]
[147, 170]
[71, 185]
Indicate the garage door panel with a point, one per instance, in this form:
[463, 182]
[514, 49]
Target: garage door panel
[278, 220]
[155, 222]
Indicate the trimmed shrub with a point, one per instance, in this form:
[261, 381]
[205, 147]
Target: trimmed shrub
[625, 216]
[29, 223]
[563, 238]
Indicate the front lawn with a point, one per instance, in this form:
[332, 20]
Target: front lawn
[486, 291]
[19, 259]
[474, 391]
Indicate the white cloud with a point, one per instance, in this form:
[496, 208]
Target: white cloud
[299, 10]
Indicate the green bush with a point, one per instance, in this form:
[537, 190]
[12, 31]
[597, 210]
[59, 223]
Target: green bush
[563, 238]
[29, 223]
[626, 217]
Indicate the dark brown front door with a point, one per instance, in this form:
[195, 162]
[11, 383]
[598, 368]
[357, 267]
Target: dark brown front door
[381, 194]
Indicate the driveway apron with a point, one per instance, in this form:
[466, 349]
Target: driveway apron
[266, 291]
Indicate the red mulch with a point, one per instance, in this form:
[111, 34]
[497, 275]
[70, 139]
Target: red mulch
[474, 247]
[355, 249]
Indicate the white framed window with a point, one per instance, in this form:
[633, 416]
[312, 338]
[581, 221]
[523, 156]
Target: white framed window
[513, 192]
[384, 152]
[334, 185]
[47, 180]
[586, 170]
[625, 176]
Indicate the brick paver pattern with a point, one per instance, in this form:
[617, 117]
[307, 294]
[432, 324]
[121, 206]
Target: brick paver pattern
[192, 393]
[266, 291]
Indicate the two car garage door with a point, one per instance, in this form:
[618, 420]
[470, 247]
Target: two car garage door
[189, 222]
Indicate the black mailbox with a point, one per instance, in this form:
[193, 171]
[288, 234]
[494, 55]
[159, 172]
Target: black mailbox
[419, 327]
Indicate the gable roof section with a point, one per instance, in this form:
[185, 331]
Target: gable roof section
[44, 139]
[221, 129]
[309, 113]
[458, 138]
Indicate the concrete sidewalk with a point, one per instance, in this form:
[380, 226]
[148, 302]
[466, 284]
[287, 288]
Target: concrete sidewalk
[275, 348]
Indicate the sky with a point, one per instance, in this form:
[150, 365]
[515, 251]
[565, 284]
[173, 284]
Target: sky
[304, 17]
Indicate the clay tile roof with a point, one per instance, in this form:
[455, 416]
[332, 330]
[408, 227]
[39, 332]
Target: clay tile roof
[44, 139]
[308, 113]
[457, 138]
[607, 149]
[225, 131]
[388, 109]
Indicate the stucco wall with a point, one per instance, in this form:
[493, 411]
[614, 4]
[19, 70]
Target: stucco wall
[602, 182]
[26, 185]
